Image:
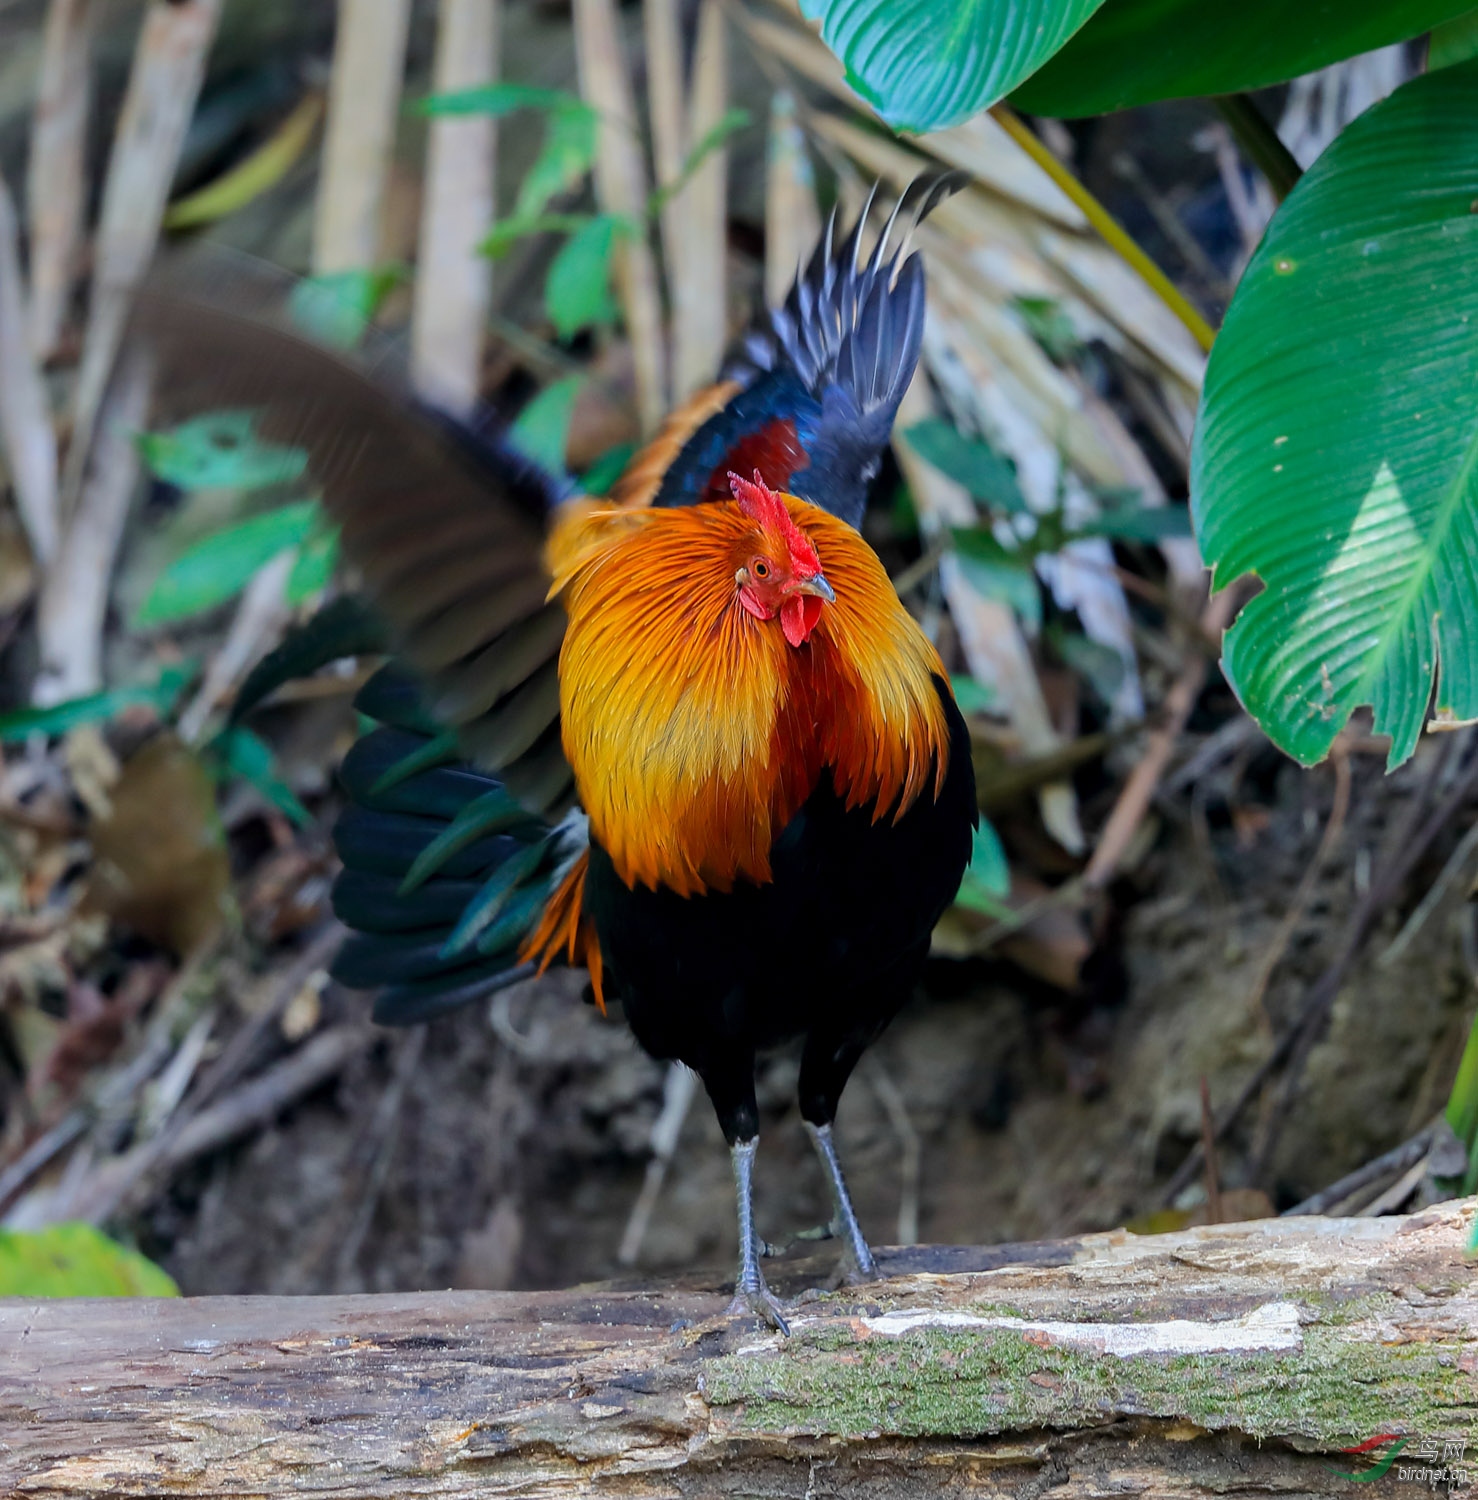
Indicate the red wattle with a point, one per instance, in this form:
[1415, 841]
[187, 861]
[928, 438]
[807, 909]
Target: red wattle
[798, 617]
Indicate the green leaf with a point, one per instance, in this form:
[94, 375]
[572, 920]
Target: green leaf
[1100, 666]
[1336, 452]
[714, 137]
[577, 292]
[247, 755]
[1454, 42]
[345, 626]
[495, 99]
[218, 568]
[1137, 51]
[1000, 574]
[568, 152]
[543, 426]
[314, 566]
[502, 237]
[969, 462]
[76, 1260]
[97, 708]
[337, 307]
[923, 64]
[1050, 326]
[1139, 523]
[971, 697]
[219, 451]
[987, 880]
[607, 469]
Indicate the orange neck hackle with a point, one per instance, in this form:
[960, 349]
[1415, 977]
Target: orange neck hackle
[697, 721]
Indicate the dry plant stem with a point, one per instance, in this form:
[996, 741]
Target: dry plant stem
[1105, 223]
[1225, 1357]
[668, 112]
[792, 222]
[679, 1089]
[56, 180]
[890, 1096]
[1333, 827]
[260, 619]
[1208, 1151]
[168, 67]
[700, 295]
[1139, 790]
[26, 435]
[453, 292]
[363, 105]
[74, 600]
[1397, 1160]
[621, 185]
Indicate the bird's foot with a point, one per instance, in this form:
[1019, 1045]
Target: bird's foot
[760, 1302]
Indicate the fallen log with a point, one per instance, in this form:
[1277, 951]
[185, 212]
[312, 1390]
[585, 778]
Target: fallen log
[1228, 1359]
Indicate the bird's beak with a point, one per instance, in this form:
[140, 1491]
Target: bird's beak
[817, 586]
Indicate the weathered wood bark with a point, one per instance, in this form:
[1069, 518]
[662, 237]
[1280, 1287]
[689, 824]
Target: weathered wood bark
[1219, 1360]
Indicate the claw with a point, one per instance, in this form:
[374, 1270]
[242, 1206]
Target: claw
[762, 1303]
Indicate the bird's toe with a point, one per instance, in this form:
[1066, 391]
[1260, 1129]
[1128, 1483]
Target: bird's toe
[760, 1302]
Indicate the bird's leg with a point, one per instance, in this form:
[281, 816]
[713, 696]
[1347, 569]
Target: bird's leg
[750, 1292]
[844, 1225]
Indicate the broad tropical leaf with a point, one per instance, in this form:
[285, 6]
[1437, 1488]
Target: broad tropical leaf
[543, 426]
[1136, 51]
[924, 64]
[1336, 454]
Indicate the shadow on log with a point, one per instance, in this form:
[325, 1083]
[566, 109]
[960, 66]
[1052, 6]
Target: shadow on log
[1229, 1359]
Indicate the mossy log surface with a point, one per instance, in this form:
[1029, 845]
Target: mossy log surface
[1230, 1359]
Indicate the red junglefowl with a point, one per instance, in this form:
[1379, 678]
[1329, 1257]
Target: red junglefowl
[687, 736]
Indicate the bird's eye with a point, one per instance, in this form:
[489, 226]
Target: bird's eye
[761, 568]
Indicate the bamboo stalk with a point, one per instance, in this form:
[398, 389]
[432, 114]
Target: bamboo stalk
[364, 97]
[168, 68]
[26, 433]
[621, 185]
[453, 289]
[792, 221]
[699, 301]
[56, 184]
[667, 109]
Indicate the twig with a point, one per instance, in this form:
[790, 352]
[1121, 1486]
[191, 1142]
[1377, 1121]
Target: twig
[890, 1096]
[74, 600]
[168, 67]
[1104, 222]
[1262, 144]
[621, 185]
[56, 180]
[26, 433]
[1138, 791]
[678, 1091]
[1333, 827]
[258, 622]
[1429, 903]
[1397, 1159]
[667, 110]
[364, 92]
[453, 291]
[384, 1134]
[1208, 1152]
[792, 222]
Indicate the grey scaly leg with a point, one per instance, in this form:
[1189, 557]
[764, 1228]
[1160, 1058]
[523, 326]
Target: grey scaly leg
[751, 1295]
[844, 1225]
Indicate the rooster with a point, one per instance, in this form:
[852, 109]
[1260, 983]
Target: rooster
[687, 736]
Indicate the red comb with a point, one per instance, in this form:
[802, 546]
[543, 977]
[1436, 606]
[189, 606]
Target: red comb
[762, 505]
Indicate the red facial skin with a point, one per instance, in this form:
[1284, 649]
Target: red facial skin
[786, 578]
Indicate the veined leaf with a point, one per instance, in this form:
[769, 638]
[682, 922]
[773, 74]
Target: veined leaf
[1137, 51]
[1453, 42]
[1336, 453]
[924, 64]
[219, 451]
[987, 880]
[577, 292]
[219, 567]
[543, 426]
[337, 307]
[76, 1260]
[969, 462]
[97, 708]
